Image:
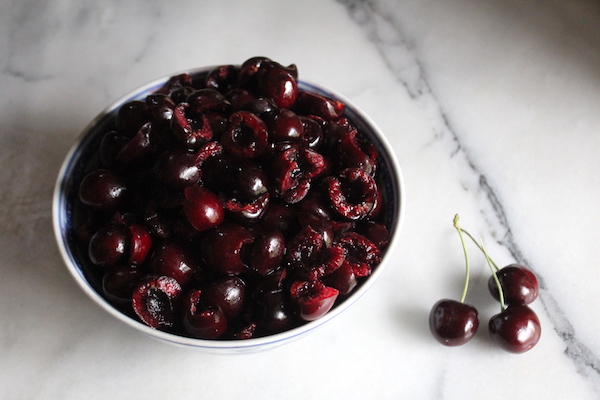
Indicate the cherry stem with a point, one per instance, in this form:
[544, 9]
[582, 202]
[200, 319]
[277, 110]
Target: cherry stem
[495, 266]
[467, 264]
[498, 285]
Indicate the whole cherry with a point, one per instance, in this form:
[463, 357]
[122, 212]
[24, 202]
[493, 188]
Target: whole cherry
[516, 329]
[102, 189]
[519, 284]
[202, 208]
[454, 323]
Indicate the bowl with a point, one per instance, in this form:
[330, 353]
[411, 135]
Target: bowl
[85, 149]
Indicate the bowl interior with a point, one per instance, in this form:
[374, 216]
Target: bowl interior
[83, 154]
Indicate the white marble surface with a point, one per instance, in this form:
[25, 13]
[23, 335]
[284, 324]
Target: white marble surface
[492, 108]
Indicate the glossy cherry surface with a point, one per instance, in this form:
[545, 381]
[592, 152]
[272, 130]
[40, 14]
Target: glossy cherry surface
[203, 208]
[228, 294]
[519, 285]
[453, 323]
[109, 245]
[177, 169]
[102, 189]
[516, 329]
[268, 251]
[171, 258]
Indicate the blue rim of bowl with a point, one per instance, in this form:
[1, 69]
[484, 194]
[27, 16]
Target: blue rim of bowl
[73, 166]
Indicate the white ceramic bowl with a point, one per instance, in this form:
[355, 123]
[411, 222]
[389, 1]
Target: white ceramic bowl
[87, 144]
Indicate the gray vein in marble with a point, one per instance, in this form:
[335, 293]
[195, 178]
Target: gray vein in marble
[386, 34]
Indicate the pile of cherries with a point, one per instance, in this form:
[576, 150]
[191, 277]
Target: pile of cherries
[231, 204]
[516, 328]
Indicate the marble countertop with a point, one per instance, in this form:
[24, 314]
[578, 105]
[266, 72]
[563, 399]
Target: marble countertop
[492, 108]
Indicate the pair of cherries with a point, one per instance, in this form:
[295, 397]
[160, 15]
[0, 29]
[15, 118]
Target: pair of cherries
[516, 328]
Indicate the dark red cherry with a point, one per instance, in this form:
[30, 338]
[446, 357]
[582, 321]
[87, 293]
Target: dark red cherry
[138, 149]
[312, 299]
[316, 104]
[222, 78]
[352, 193]
[190, 129]
[453, 323]
[109, 245]
[519, 285]
[131, 116]
[180, 94]
[247, 135]
[155, 300]
[140, 245]
[313, 132]
[322, 225]
[343, 279]
[228, 294]
[118, 282]
[304, 249]
[267, 252]
[248, 71]
[376, 232]
[292, 171]
[260, 106]
[274, 312]
[247, 180]
[171, 258]
[362, 254]
[102, 189]
[201, 320]
[177, 168]
[516, 329]
[353, 152]
[223, 248]
[202, 208]
[284, 125]
[279, 85]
